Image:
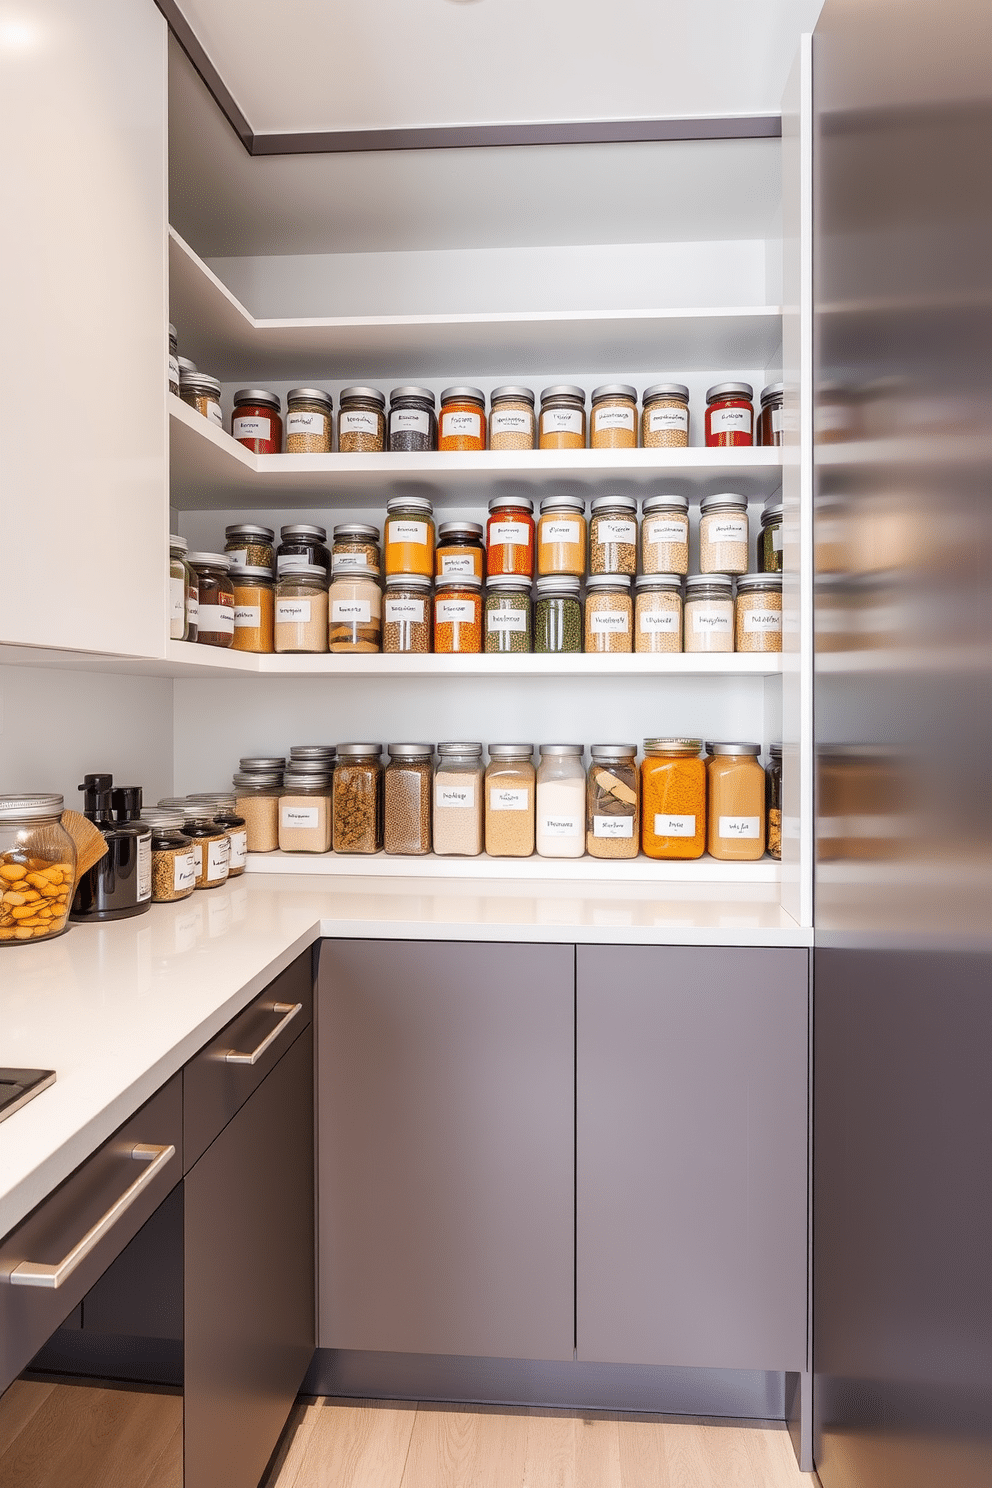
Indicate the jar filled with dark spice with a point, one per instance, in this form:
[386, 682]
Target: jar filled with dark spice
[250, 546]
[215, 623]
[460, 550]
[557, 615]
[257, 422]
[770, 541]
[613, 535]
[771, 419]
[512, 423]
[463, 419]
[202, 393]
[354, 603]
[211, 846]
[412, 420]
[356, 548]
[406, 624]
[173, 859]
[407, 784]
[308, 422]
[508, 615]
[361, 421]
[302, 544]
[179, 574]
[173, 362]
[773, 800]
[358, 799]
[612, 820]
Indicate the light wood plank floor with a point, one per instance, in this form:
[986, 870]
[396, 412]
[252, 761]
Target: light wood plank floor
[85, 1436]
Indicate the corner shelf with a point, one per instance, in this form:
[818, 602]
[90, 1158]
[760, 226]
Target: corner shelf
[533, 870]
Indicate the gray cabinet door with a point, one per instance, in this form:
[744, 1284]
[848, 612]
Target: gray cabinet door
[691, 1220]
[445, 1148]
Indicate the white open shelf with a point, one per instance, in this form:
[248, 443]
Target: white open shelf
[534, 870]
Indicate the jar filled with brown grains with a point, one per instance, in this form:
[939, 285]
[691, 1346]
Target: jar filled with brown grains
[173, 859]
[308, 422]
[202, 393]
[736, 790]
[250, 546]
[355, 547]
[358, 799]
[354, 603]
[215, 615]
[406, 624]
[407, 799]
[361, 421]
[563, 417]
[254, 610]
[608, 614]
[723, 534]
[658, 613]
[665, 419]
[301, 610]
[758, 613]
[613, 535]
[665, 535]
[256, 798]
[509, 801]
[708, 621]
[225, 814]
[458, 789]
[612, 802]
[305, 812]
[512, 422]
[211, 846]
[613, 420]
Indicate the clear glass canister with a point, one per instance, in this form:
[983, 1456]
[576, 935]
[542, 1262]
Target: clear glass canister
[658, 613]
[358, 798]
[729, 414]
[612, 799]
[563, 417]
[665, 419]
[356, 548]
[302, 544]
[406, 625]
[708, 620]
[758, 613]
[256, 798]
[250, 546]
[226, 815]
[37, 868]
[723, 534]
[736, 830]
[173, 361]
[407, 799]
[609, 613]
[458, 615]
[773, 800]
[509, 801]
[561, 802]
[673, 798]
[463, 419]
[202, 393]
[178, 589]
[211, 846]
[361, 421]
[613, 535]
[215, 614]
[510, 537]
[508, 617]
[410, 536]
[354, 612]
[412, 420]
[771, 419]
[173, 858]
[301, 611]
[305, 812]
[458, 789]
[665, 535]
[308, 422]
[613, 420]
[512, 422]
[770, 541]
[256, 421]
[460, 550]
[254, 610]
[557, 615]
[561, 536]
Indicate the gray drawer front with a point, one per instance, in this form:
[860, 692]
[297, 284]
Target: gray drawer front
[29, 1314]
[214, 1088]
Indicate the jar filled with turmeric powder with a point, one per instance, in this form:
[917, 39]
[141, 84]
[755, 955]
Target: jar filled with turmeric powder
[673, 799]
[563, 417]
[410, 536]
[463, 419]
[561, 536]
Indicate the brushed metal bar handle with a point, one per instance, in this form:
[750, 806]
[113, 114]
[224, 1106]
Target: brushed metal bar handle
[37, 1274]
[290, 1010]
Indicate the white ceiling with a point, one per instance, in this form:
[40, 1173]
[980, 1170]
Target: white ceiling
[351, 64]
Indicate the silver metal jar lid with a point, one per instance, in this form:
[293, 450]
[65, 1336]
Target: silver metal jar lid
[408, 581]
[614, 390]
[30, 807]
[665, 390]
[352, 751]
[759, 581]
[299, 780]
[469, 394]
[511, 503]
[511, 751]
[304, 571]
[179, 543]
[343, 567]
[257, 395]
[260, 782]
[410, 503]
[511, 583]
[455, 748]
[613, 751]
[729, 390]
[658, 581]
[460, 529]
[458, 581]
[365, 394]
[556, 750]
[618, 503]
[163, 816]
[262, 762]
[248, 529]
[771, 514]
[552, 584]
[729, 499]
[605, 581]
[312, 751]
[695, 581]
[250, 571]
[715, 748]
[356, 532]
[772, 391]
[673, 746]
[199, 382]
[409, 751]
[563, 503]
[310, 395]
[564, 390]
[520, 394]
[321, 766]
[423, 393]
[296, 530]
[209, 560]
[775, 750]
[660, 503]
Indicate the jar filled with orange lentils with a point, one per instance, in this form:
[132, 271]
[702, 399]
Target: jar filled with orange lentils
[458, 615]
[673, 799]
[510, 537]
[463, 419]
[409, 536]
[561, 536]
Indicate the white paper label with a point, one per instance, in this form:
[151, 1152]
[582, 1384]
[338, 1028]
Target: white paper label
[455, 611]
[454, 797]
[305, 423]
[762, 620]
[252, 427]
[726, 529]
[218, 859]
[177, 600]
[730, 421]
[660, 419]
[193, 609]
[349, 562]
[292, 611]
[358, 422]
[291, 563]
[510, 421]
[216, 620]
[305, 817]
[184, 871]
[561, 421]
[506, 620]
[508, 800]
[352, 609]
[739, 826]
[778, 420]
[198, 858]
[453, 564]
[560, 532]
[778, 539]
[407, 532]
[674, 826]
[144, 869]
[410, 611]
[613, 418]
[214, 415]
[247, 617]
[516, 534]
[666, 530]
[653, 622]
[461, 425]
[613, 826]
[609, 621]
[560, 826]
[713, 622]
[616, 532]
[238, 838]
[413, 420]
[238, 557]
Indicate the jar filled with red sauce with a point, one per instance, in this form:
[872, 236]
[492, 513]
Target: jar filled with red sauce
[729, 415]
[256, 422]
[510, 537]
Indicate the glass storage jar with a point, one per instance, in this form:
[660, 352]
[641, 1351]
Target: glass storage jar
[512, 422]
[361, 421]
[308, 421]
[708, 618]
[354, 603]
[561, 536]
[256, 421]
[37, 868]
[723, 534]
[460, 550]
[305, 812]
[463, 419]
[736, 785]
[201, 392]
[407, 800]
[507, 615]
[613, 419]
[410, 536]
[729, 414]
[249, 546]
[458, 787]
[665, 419]
[563, 417]
[301, 611]
[226, 815]
[509, 801]
[211, 846]
[561, 802]
[358, 799]
[758, 613]
[612, 818]
[412, 420]
[173, 859]
[770, 540]
[609, 613]
[613, 535]
[557, 615]
[406, 624]
[254, 610]
[510, 537]
[301, 545]
[355, 548]
[771, 419]
[178, 589]
[665, 535]
[673, 798]
[658, 613]
[773, 800]
[173, 361]
[457, 615]
[215, 615]
[256, 798]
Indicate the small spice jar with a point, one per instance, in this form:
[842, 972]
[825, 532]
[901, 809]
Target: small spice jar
[37, 868]
[510, 537]
[613, 420]
[302, 545]
[463, 419]
[215, 620]
[729, 414]
[609, 613]
[770, 541]
[458, 790]
[192, 602]
[256, 798]
[355, 548]
[354, 603]
[771, 419]
[412, 420]
[249, 546]
[758, 613]
[736, 784]
[557, 615]
[410, 536]
[612, 818]
[305, 812]
[723, 534]
[308, 422]
[254, 610]
[406, 791]
[202, 393]
[507, 619]
[358, 799]
[673, 799]
[211, 846]
[561, 802]
[173, 361]
[773, 800]
[665, 419]
[613, 535]
[563, 417]
[458, 615]
[561, 536]
[256, 421]
[301, 610]
[708, 622]
[460, 550]
[658, 613]
[406, 624]
[361, 421]
[173, 859]
[178, 589]
[226, 815]
[512, 422]
[665, 535]
[509, 801]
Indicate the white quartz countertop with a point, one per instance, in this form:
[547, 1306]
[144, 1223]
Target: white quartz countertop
[117, 1009]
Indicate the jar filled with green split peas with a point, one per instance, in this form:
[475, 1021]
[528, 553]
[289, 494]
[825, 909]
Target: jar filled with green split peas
[770, 542]
[557, 615]
[507, 615]
[736, 787]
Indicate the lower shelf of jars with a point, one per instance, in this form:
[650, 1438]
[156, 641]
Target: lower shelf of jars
[639, 870]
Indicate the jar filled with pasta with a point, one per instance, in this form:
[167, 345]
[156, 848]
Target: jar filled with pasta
[665, 417]
[561, 536]
[673, 798]
[357, 799]
[613, 420]
[665, 535]
[658, 613]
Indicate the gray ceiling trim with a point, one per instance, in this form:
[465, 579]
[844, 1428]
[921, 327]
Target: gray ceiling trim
[186, 37]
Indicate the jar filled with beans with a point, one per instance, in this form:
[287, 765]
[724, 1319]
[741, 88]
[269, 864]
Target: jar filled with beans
[609, 613]
[458, 615]
[510, 537]
[512, 422]
[354, 612]
[406, 625]
[613, 420]
[412, 420]
[355, 548]
[250, 546]
[463, 419]
[308, 422]
[215, 622]
[460, 550]
[507, 615]
[658, 613]
[563, 417]
[708, 623]
[256, 422]
[407, 783]
[665, 417]
[362, 421]
[561, 536]
[723, 534]
[613, 535]
[758, 613]
[665, 535]
[557, 615]
[254, 610]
